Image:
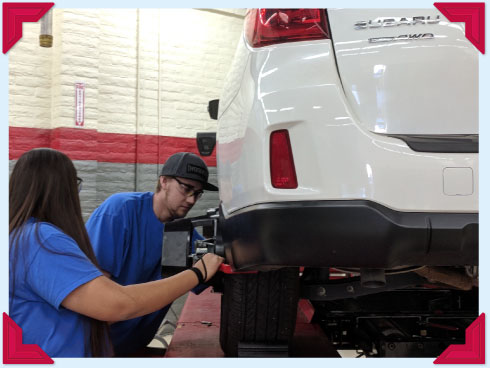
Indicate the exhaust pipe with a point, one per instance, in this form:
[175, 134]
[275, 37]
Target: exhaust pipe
[373, 278]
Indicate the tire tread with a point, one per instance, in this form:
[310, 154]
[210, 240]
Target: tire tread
[259, 308]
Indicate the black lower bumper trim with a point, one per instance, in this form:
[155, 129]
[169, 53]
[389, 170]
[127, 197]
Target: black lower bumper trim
[353, 233]
[440, 143]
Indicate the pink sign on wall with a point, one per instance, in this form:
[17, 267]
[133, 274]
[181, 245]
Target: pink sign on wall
[79, 104]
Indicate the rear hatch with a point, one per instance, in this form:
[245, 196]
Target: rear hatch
[406, 72]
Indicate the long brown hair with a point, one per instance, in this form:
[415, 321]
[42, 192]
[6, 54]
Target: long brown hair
[43, 185]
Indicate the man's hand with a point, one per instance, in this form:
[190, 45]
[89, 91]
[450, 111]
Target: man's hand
[211, 264]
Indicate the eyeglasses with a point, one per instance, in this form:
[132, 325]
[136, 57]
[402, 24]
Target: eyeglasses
[189, 191]
[79, 184]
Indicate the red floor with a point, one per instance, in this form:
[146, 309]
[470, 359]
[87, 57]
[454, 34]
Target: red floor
[197, 332]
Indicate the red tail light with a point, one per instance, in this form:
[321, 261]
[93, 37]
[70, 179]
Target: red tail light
[270, 26]
[283, 173]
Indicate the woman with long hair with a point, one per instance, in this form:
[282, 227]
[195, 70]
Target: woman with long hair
[58, 295]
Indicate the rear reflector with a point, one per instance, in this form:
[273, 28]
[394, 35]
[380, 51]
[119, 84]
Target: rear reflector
[283, 173]
[270, 26]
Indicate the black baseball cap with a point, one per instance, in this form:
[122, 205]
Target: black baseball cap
[189, 166]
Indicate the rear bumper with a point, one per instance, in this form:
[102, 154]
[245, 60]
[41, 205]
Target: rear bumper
[353, 233]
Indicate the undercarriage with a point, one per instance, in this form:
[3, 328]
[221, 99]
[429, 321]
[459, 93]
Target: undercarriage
[406, 311]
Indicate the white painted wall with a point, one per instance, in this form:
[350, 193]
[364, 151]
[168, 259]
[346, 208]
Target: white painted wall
[148, 71]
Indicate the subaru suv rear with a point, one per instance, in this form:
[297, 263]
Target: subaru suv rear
[347, 142]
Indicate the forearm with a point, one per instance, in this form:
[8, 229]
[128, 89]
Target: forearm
[152, 296]
[105, 300]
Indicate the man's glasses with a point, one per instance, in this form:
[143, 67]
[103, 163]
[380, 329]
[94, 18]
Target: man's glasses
[189, 191]
[79, 184]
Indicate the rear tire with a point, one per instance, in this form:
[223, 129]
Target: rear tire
[258, 308]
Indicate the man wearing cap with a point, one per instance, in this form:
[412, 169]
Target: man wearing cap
[126, 232]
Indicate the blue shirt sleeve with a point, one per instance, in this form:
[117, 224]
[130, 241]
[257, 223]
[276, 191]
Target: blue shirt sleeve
[58, 268]
[108, 236]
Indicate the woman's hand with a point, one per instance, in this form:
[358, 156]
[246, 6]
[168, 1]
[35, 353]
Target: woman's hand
[211, 264]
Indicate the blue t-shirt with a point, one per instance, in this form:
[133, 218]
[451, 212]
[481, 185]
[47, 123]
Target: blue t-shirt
[127, 239]
[44, 269]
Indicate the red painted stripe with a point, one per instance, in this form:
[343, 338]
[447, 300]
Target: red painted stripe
[88, 144]
[25, 139]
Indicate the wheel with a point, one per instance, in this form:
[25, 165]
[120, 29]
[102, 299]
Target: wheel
[258, 308]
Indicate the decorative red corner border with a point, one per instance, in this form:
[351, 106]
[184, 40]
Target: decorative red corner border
[473, 351]
[14, 14]
[473, 15]
[15, 352]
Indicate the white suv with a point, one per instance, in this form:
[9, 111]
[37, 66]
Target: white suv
[347, 139]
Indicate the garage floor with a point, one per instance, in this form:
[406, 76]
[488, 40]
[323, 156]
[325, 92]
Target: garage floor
[166, 331]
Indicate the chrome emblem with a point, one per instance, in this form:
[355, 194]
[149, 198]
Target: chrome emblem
[408, 37]
[395, 21]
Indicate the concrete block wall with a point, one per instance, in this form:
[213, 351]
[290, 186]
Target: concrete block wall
[148, 76]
